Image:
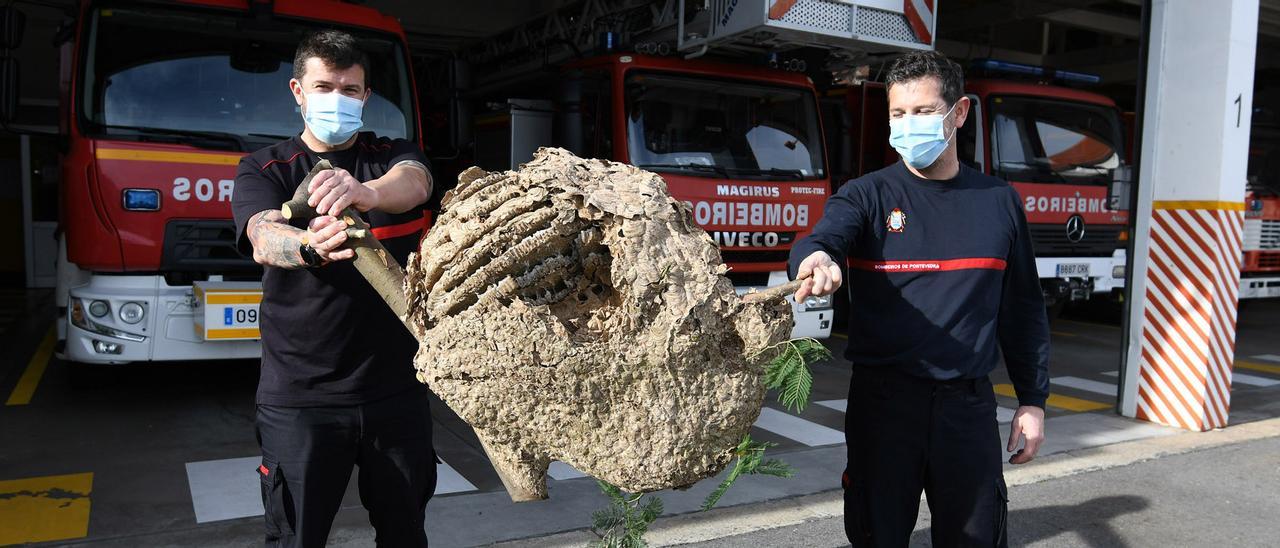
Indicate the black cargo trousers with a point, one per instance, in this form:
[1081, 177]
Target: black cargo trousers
[308, 454]
[906, 435]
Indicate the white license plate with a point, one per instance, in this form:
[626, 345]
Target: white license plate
[240, 316]
[1073, 270]
[228, 311]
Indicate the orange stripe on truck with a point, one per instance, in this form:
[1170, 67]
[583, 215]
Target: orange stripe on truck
[129, 154]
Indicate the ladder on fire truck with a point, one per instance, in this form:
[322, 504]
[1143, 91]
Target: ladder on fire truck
[848, 28]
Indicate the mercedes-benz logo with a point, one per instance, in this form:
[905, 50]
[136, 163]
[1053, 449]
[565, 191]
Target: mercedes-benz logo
[1075, 229]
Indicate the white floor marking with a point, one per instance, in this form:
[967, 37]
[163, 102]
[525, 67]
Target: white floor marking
[231, 488]
[1104, 388]
[1267, 357]
[839, 405]
[1004, 415]
[562, 471]
[796, 428]
[1251, 380]
[1111, 373]
[449, 480]
[225, 489]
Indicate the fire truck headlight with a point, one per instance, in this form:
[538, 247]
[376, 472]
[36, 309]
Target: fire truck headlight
[131, 313]
[99, 309]
[79, 317]
[817, 303]
[103, 347]
[1117, 271]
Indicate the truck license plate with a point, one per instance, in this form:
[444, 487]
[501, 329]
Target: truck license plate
[1073, 270]
[227, 311]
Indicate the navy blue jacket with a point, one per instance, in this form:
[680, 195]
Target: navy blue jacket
[942, 277]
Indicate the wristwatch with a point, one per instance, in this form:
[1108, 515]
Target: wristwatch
[309, 256]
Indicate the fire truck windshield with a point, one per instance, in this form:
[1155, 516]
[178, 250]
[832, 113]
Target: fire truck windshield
[216, 78]
[1038, 140]
[716, 128]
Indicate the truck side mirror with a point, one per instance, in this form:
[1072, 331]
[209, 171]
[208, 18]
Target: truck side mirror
[1118, 191]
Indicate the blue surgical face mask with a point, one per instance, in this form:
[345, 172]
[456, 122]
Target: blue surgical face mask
[920, 139]
[333, 117]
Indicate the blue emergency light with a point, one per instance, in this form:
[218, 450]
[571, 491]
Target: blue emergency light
[1021, 69]
[141, 199]
[1078, 77]
[1008, 67]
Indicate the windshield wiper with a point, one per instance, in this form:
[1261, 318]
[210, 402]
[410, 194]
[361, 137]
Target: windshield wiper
[269, 136]
[793, 173]
[718, 170]
[236, 142]
[1037, 169]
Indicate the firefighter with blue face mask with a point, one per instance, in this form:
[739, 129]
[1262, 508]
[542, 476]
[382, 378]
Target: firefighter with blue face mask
[943, 287]
[336, 387]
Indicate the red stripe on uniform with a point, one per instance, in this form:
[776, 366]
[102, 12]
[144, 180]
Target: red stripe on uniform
[289, 161]
[403, 229]
[929, 266]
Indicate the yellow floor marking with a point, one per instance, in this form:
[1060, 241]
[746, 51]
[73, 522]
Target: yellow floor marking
[26, 386]
[45, 509]
[1062, 334]
[1057, 400]
[840, 335]
[1258, 366]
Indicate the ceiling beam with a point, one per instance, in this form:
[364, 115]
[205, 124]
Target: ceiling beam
[995, 13]
[1095, 21]
[1074, 60]
[965, 50]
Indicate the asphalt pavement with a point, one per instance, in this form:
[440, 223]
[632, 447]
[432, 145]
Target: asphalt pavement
[163, 454]
[1220, 496]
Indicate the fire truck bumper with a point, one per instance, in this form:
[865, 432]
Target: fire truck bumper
[813, 318]
[1259, 287]
[1078, 278]
[122, 319]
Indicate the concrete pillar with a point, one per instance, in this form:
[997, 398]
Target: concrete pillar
[1190, 212]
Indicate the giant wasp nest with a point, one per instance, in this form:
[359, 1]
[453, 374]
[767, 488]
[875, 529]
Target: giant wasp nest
[573, 311]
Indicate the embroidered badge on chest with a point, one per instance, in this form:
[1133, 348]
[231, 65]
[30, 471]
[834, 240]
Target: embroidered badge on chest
[897, 221]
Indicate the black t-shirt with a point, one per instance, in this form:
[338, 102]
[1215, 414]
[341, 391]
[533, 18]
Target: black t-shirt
[327, 337]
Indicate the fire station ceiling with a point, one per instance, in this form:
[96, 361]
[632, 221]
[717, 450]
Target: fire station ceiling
[1095, 36]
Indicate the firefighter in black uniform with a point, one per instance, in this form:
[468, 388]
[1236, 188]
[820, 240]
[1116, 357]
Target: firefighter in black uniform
[337, 388]
[942, 280]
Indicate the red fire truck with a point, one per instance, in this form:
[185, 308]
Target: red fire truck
[160, 100]
[741, 146]
[1059, 146]
[1260, 271]
[739, 142]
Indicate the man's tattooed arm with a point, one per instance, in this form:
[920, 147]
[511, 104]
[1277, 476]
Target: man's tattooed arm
[275, 243]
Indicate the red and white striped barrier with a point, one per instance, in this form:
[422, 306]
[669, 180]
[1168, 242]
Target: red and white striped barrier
[920, 16]
[1189, 324]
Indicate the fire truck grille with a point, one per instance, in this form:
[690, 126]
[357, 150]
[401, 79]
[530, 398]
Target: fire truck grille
[1269, 261]
[203, 246]
[755, 279]
[731, 257]
[1262, 235]
[1099, 240]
